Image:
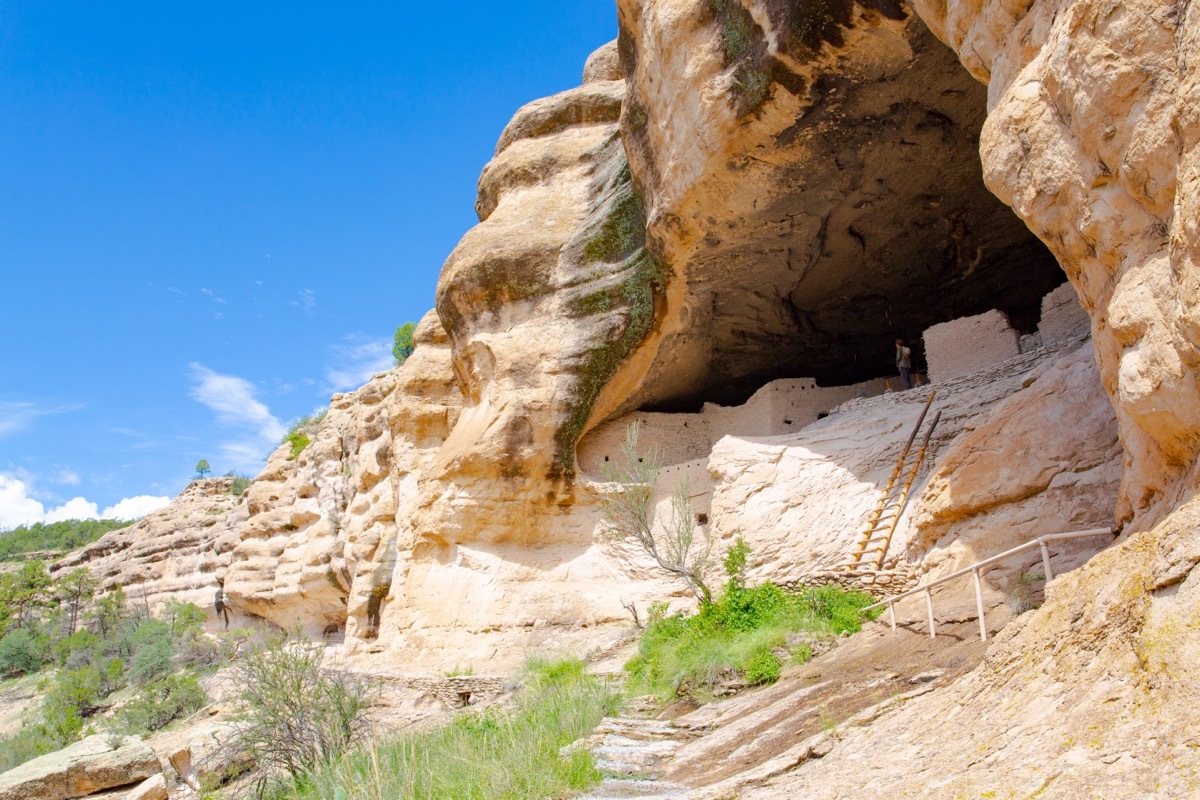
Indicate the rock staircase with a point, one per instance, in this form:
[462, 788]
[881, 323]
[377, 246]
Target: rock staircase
[630, 752]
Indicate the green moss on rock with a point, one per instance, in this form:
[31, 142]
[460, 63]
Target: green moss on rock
[745, 50]
[644, 282]
[622, 232]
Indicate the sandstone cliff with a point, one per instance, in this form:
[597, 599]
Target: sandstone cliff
[718, 235]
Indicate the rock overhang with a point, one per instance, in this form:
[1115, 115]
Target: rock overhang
[843, 210]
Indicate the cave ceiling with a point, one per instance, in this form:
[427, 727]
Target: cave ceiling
[821, 241]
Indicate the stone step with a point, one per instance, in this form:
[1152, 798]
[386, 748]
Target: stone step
[640, 729]
[626, 789]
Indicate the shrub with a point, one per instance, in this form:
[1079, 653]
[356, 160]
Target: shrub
[299, 436]
[292, 716]
[21, 652]
[199, 651]
[739, 635]
[628, 510]
[25, 745]
[239, 484]
[161, 702]
[77, 650]
[151, 650]
[183, 619]
[72, 696]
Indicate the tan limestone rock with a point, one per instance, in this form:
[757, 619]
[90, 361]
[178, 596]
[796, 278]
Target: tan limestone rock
[1045, 460]
[153, 788]
[84, 768]
[178, 552]
[604, 65]
[1091, 138]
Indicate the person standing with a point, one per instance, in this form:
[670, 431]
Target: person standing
[904, 363]
[220, 605]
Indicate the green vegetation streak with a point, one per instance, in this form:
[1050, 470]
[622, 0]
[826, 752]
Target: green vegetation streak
[495, 754]
[741, 636]
[70, 534]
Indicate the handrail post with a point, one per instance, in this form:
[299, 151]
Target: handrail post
[892, 611]
[979, 605]
[929, 609]
[1046, 560]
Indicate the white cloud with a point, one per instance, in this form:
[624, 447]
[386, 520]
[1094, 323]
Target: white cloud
[354, 360]
[18, 508]
[75, 508]
[135, 507]
[16, 417]
[68, 478]
[233, 399]
[235, 402]
[305, 299]
[216, 298]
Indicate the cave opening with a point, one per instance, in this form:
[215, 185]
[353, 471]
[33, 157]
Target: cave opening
[870, 221]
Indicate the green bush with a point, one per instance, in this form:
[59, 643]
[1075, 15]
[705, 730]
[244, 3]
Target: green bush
[161, 702]
[183, 619]
[25, 745]
[740, 635]
[290, 714]
[73, 695]
[21, 652]
[510, 753]
[151, 650]
[94, 660]
[77, 650]
[299, 436]
[239, 484]
[199, 651]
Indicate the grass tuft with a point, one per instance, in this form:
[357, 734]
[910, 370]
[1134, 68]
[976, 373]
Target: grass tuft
[495, 754]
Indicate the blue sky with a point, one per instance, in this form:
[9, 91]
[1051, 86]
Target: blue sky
[212, 216]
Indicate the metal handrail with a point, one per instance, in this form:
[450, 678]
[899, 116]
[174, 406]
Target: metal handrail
[975, 569]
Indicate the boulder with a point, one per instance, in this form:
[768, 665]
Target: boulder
[86, 767]
[153, 788]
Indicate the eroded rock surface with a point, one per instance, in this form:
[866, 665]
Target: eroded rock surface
[812, 177]
[178, 552]
[1091, 138]
[326, 529]
[86, 767]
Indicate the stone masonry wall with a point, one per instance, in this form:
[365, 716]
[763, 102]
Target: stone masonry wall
[780, 407]
[1063, 319]
[967, 345]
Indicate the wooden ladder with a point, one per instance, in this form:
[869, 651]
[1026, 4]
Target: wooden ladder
[873, 543]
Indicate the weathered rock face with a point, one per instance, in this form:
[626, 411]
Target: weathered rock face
[811, 177]
[326, 529]
[177, 552]
[1025, 448]
[86, 767]
[544, 301]
[1044, 460]
[1092, 138]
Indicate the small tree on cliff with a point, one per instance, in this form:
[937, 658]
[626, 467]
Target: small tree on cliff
[628, 508]
[202, 467]
[402, 343]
